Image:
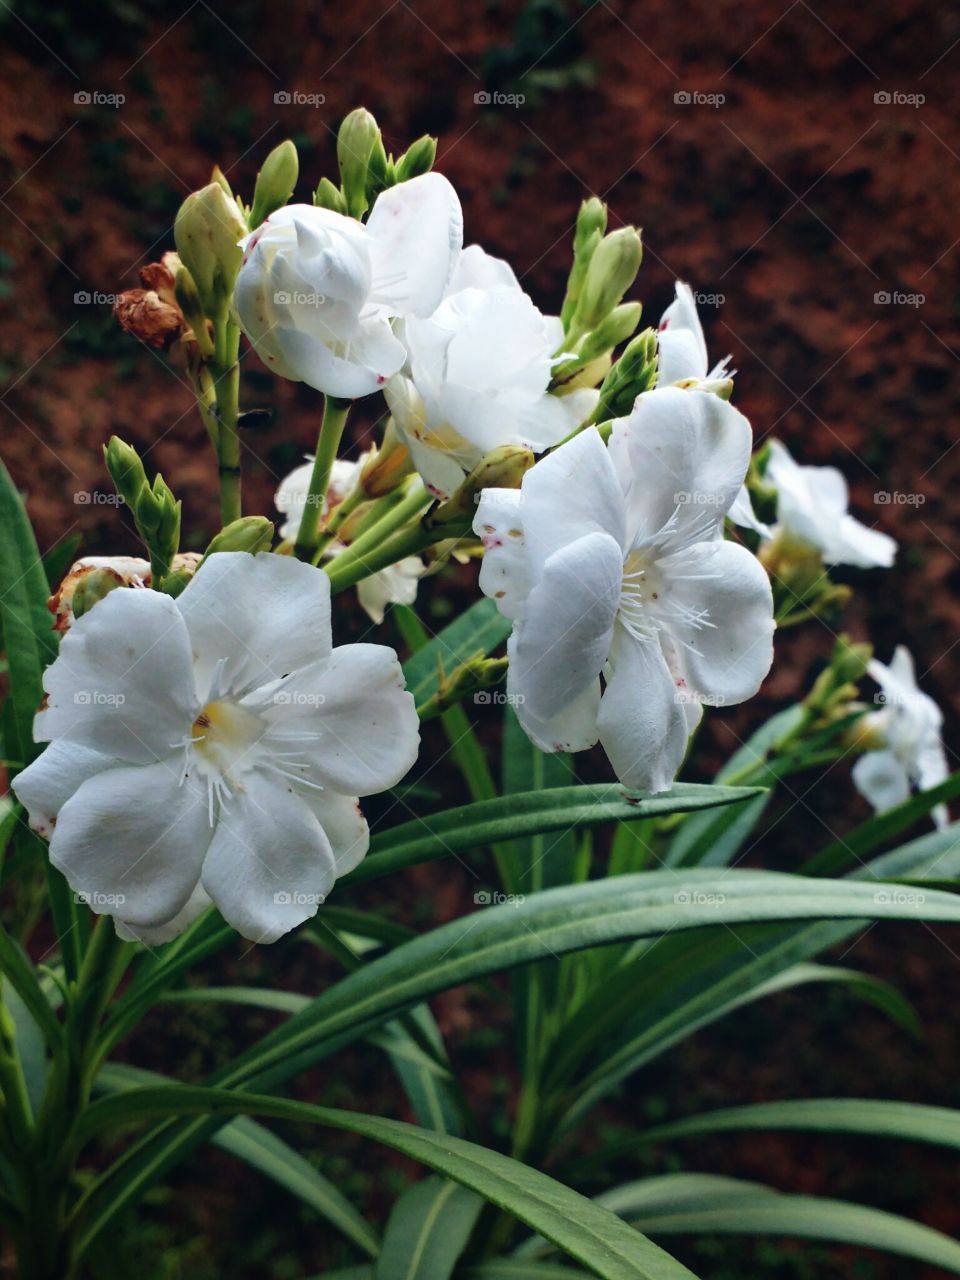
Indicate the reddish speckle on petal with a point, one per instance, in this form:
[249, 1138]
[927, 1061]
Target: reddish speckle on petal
[380, 379]
[663, 324]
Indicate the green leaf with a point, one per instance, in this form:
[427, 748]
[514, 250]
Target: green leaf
[456, 831]
[258, 1147]
[427, 1231]
[26, 626]
[498, 938]
[519, 1269]
[881, 1119]
[702, 1204]
[480, 630]
[22, 977]
[868, 836]
[586, 1231]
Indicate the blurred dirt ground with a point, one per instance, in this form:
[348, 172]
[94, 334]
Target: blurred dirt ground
[798, 162]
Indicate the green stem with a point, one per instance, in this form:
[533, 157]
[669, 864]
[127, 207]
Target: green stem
[377, 549]
[226, 387]
[328, 444]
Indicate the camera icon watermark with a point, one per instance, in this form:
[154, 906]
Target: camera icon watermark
[97, 698]
[899, 896]
[894, 98]
[896, 298]
[498, 698]
[298, 698]
[694, 98]
[298, 298]
[494, 898]
[294, 98]
[94, 298]
[896, 498]
[94, 498]
[97, 98]
[698, 898]
[297, 898]
[494, 98]
[101, 902]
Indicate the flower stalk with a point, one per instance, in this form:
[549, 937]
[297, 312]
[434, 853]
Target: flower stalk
[328, 445]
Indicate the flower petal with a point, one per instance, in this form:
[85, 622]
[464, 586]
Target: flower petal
[132, 840]
[123, 681]
[416, 231]
[682, 348]
[396, 584]
[267, 615]
[642, 724]
[743, 515]
[560, 647]
[682, 455]
[344, 826]
[881, 779]
[269, 865]
[477, 269]
[45, 786]
[573, 728]
[352, 716]
[196, 905]
[504, 575]
[727, 657]
[570, 493]
[375, 354]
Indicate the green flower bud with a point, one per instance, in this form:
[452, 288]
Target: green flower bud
[471, 676]
[612, 270]
[188, 300]
[327, 196]
[91, 589]
[249, 533]
[220, 178]
[502, 468]
[207, 231]
[126, 470]
[618, 326]
[275, 182]
[634, 373]
[591, 224]
[358, 144]
[417, 159]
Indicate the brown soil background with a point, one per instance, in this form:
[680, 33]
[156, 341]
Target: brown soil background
[798, 199]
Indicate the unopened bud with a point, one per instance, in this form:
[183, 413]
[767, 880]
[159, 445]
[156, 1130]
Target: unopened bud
[249, 533]
[591, 224]
[188, 300]
[417, 159]
[275, 182]
[208, 229]
[617, 327]
[220, 178]
[327, 196]
[387, 466]
[502, 468]
[475, 674]
[358, 144]
[612, 270]
[126, 470]
[634, 373]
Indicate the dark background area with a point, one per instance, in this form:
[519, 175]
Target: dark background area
[815, 185]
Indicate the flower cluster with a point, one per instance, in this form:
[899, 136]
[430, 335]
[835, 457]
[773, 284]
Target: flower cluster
[208, 743]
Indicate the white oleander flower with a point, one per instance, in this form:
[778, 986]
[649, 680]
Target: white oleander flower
[681, 346]
[812, 506]
[611, 561]
[909, 724]
[478, 376]
[682, 359]
[213, 747]
[397, 584]
[317, 290]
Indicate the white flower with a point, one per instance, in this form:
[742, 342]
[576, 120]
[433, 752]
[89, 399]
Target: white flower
[397, 584]
[611, 561]
[682, 359]
[478, 376]
[682, 348]
[909, 724]
[812, 506]
[317, 290]
[214, 746]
